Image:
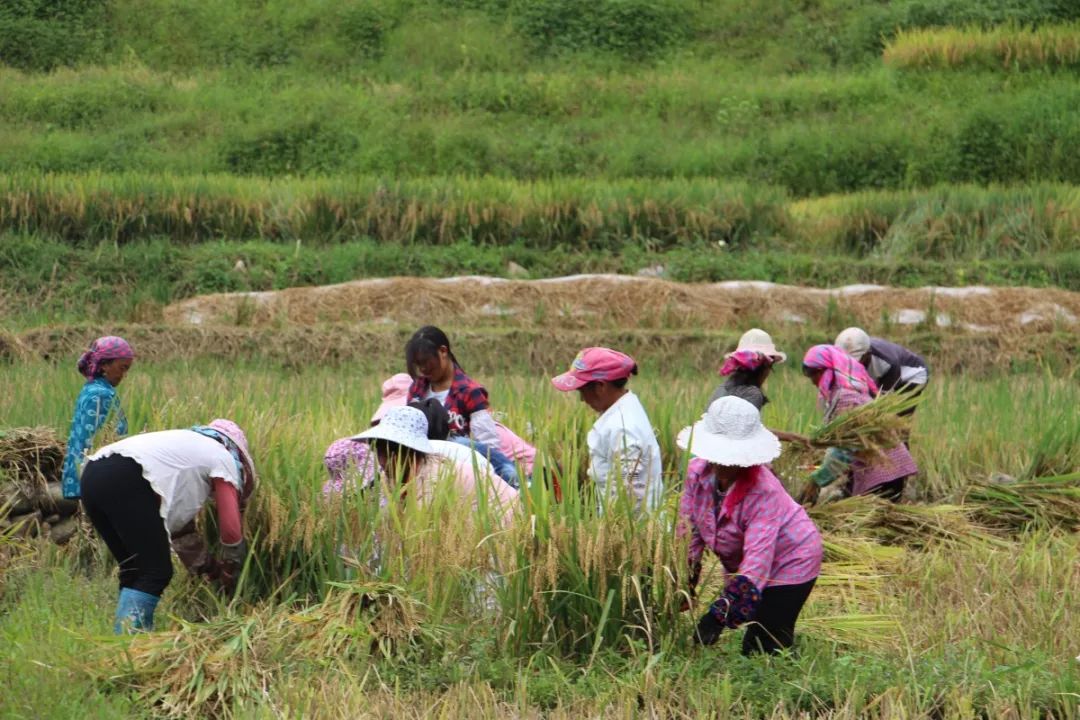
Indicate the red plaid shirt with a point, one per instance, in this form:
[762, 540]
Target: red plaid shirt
[466, 396]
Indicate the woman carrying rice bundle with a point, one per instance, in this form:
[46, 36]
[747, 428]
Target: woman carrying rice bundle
[406, 455]
[733, 505]
[438, 374]
[104, 366]
[624, 456]
[843, 384]
[144, 492]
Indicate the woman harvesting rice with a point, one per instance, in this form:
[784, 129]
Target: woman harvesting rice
[104, 366]
[623, 453]
[733, 505]
[747, 368]
[893, 367]
[843, 384]
[348, 461]
[406, 455]
[146, 490]
[438, 374]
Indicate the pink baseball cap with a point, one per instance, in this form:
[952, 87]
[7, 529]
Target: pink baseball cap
[395, 393]
[592, 364]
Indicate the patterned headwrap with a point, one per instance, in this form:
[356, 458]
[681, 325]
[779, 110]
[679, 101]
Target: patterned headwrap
[748, 360]
[841, 371]
[101, 351]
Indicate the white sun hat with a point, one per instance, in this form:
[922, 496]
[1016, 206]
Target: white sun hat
[730, 433]
[854, 341]
[757, 340]
[406, 426]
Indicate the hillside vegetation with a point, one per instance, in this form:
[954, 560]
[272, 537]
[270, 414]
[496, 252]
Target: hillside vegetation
[821, 141]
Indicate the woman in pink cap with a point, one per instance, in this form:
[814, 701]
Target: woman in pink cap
[142, 495]
[104, 366]
[624, 456]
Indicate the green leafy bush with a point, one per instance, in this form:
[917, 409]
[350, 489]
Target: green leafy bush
[309, 147]
[634, 29]
[45, 34]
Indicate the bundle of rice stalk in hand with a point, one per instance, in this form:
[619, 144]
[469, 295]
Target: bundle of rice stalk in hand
[1049, 501]
[871, 428]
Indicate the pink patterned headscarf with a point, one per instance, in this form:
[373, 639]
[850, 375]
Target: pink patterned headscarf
[748, 360]
[101, 351]
[841, 371]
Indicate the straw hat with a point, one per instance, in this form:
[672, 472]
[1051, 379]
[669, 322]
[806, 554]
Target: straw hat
[854, 341]
[406, 426]
[730, 433]
[233, 431]
[757, 340]
[395, 393]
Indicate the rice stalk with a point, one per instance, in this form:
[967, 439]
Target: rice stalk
[871, 428]
[1016, 506]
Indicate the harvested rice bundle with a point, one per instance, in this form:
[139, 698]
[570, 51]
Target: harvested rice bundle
[1050, 501]
[871, 428]
[30, 458]
[210, 669]
[899, 524]
[872, 630]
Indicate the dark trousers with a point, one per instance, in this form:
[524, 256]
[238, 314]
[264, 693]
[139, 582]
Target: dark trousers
[773, 626]
[126, 512]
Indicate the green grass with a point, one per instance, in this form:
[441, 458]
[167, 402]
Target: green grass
[886, 632]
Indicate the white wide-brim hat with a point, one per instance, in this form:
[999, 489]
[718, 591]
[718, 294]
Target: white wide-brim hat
[757, 340]
[406, 426]
[730, 433]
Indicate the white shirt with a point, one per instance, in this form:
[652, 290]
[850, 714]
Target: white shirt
[464, 455]
[622, 445]
[179, 465]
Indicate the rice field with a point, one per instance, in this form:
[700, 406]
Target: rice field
[936, 610]
[1050, 47]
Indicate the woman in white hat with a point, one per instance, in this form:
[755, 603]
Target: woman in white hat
[406, 455]
[747, 368]
[348, 462]
[733, 505]
[143, 493]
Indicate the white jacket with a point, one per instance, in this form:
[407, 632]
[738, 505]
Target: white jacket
[623, 447]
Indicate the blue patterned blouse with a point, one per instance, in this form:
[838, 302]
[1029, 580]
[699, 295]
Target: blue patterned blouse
[97, 402]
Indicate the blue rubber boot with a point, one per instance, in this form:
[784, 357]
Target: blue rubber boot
[134, 611]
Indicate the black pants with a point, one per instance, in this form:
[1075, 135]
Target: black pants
[773, 626]
[126, 512]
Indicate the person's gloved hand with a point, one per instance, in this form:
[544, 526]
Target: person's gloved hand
[708, 630]
[227, 575]
[234, 553]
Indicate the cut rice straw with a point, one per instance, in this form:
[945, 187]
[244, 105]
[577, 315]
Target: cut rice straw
[871, 428]
[1050, 502]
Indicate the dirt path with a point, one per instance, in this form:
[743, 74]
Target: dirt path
[626, 302]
